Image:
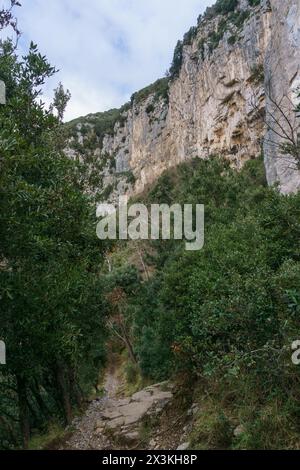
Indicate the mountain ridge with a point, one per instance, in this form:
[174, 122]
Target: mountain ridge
[213, 102]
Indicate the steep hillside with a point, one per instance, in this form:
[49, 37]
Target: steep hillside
[200, 348]
[222, 319]
[234, 77]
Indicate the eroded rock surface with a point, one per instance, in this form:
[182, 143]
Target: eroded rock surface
[113, 421]
[216, 105]
[282, 81]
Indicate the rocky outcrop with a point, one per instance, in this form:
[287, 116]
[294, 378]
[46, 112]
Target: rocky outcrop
[216, 104]
[122, 418]
[282, 84]
[118, 421]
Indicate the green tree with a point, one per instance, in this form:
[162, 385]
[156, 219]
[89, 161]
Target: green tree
[7, 18]
[51, 307]
[60, 102]
[177, 60]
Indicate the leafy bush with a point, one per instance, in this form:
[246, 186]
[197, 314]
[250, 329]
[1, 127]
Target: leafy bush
[190, 36]
[150, 108]
[258, 73]
[226, 6]
[223, 7]
[52, 311]
[234, 18]
[221, 311]
[130, 177]
[102, 123]
[160, 89]
[239, 18]
[201, 48]
[177, 60]
[232, 39]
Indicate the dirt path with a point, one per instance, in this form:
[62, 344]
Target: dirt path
[118, 422]
[86, 436]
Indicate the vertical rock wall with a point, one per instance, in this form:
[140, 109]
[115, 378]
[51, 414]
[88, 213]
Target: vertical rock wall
[282, 85]
[221, 103]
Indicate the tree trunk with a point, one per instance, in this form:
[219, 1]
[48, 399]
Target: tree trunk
[75, 388]
[23, 411]
[64, 391]
[38, 398]
[128, 343]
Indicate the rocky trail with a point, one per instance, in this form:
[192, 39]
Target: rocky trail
[146, 420]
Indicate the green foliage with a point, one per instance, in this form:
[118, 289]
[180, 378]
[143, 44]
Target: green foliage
[223, 7]
[160, 89]
[61, 99]
[254, 3]
[215, 37]
[258, 73]
[190, 36]
[228, 312]
[201, 48]
[7, 18]
[103, 123]
[234, 18]
[130, 178]
[272, 426]
[212, 430]
[150, 108]
[52, 311]
[239, 18]
[177, 60]
[132, 373]
[54, 435]
[229, 16]
[232, 39]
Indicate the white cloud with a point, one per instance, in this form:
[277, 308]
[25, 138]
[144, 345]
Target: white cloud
[106, 49]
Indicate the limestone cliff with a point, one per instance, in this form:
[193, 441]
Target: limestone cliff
[282, 85]
[214, 103]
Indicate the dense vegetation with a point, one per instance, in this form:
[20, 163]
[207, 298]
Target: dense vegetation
[223, 317]
[159, 89]
[227, 314]
[103, 123]
[51, 308]
[231, 19]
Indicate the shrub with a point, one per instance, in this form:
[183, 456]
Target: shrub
[177, 60]
[239, 18]
[201, 48]
[225, 6]
[150, 108]
[107, 192]
[258, 73]
[234, 18]
[215, 306]
[130, 178]
[232, 39]
[160, 89]
[190, 36]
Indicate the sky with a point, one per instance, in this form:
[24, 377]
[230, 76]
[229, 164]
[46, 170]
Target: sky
[105, 50]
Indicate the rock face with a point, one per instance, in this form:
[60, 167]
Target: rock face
[216, 103]
[124, 416]
[282, 81]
